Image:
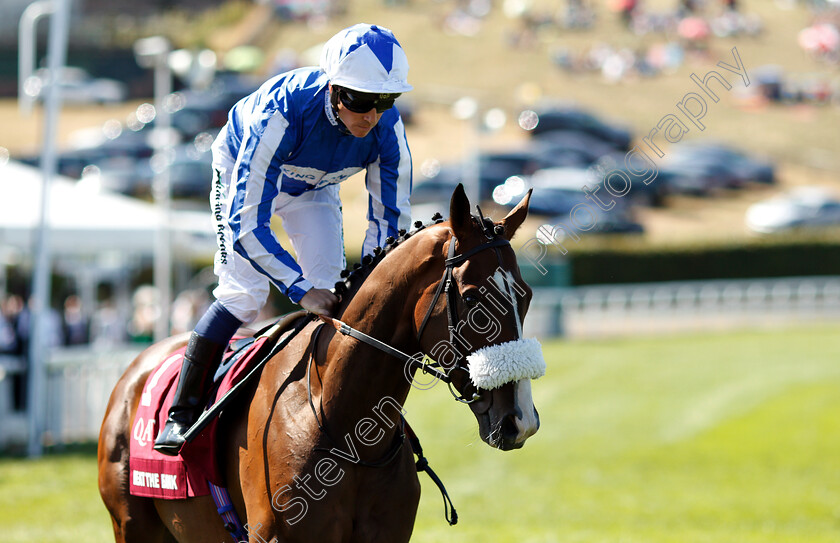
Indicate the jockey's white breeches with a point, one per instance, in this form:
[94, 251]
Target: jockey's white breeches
[313, 223]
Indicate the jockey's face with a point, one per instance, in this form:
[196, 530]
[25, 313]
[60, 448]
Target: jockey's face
[359, 124]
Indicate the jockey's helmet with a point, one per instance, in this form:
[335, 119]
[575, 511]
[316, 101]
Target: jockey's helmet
[366, 58]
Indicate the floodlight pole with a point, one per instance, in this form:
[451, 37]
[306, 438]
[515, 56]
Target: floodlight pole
[27, 50]
[41, 282]
[154, 52]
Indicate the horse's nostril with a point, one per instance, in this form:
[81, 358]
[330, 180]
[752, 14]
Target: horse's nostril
[509, 429]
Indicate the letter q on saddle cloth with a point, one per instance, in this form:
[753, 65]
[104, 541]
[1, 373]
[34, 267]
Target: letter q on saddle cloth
[155, 475]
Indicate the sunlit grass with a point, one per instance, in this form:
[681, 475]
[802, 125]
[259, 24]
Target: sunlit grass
[53, 499]
[701, 438]
[724, 438]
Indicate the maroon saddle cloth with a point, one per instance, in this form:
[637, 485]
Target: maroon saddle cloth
[156, 475]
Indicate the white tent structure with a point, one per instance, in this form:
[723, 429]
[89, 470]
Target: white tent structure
[87, 222]
[95, 237]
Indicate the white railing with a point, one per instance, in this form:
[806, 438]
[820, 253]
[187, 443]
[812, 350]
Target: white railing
[79, 384]
[656, 308]
[79, 381]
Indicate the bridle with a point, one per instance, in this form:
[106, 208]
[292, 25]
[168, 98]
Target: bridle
[495, 241]
[446, 286]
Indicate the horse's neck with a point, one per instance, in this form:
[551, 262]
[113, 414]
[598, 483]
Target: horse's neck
[359, 378]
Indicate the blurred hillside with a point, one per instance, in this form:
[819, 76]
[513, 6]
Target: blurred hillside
[507, 55]
[486, 65]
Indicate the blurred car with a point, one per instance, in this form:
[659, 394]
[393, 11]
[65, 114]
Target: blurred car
[701, 168]
[697, 176]
[579, 120]
[559, 200]
[435, 184]
[743, 167]
[70, 163]
[122, 174]
[190, 174]
[97, 149]
[650, 194]
[434, 190]
[605, 222]
[570, 148]
[201, 111]
[576, 178]
[805, 207]
[207, 110]
[79, 87]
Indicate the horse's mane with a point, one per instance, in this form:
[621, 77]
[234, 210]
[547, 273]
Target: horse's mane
[353, 276]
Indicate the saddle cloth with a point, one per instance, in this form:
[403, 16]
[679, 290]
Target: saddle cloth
[156, 475]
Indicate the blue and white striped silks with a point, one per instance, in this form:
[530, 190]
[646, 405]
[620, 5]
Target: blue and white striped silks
[283, 141]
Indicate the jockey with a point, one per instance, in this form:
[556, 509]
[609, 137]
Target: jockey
[283, 151]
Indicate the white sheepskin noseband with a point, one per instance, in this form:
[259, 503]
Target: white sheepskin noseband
[493, 366]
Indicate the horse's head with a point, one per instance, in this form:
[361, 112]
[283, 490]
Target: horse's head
[471, 323]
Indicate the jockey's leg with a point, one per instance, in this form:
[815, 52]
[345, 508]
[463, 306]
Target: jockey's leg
[314, 225]
[204, 353]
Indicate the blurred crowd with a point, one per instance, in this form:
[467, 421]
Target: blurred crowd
[103, 326]
[689, 27]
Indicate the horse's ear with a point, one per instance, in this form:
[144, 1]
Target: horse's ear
[516, 217]
[459, 210]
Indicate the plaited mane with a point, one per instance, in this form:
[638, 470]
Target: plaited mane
[353, 276]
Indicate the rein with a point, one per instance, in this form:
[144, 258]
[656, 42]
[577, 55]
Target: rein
[422, 464]
[495, 241]
[407, 359]
[386, 459]
[445, 286]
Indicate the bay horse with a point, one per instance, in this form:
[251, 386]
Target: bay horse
[273, 446]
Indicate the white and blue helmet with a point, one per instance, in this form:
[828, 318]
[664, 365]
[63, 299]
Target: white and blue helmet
[366, 58]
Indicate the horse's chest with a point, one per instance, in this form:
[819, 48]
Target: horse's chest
[331, 500]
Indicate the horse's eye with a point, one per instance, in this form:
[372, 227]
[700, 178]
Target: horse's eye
[470, 300]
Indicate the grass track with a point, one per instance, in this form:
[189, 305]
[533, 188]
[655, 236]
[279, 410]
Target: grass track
[701, 438]
[721, 438]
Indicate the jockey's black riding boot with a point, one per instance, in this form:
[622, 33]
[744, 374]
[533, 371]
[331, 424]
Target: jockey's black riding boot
[201, 360]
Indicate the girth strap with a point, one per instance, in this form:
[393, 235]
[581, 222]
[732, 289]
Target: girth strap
[225, 508]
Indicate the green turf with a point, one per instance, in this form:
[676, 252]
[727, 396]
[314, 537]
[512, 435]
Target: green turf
[702, 438]
[53, 499]
[720, 438]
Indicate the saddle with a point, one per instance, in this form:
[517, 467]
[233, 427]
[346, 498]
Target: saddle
[187, 475]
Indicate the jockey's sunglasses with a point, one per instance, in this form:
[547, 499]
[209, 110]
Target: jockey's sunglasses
[362, 102]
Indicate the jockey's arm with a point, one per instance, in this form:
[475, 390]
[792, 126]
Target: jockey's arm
[388, 182]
